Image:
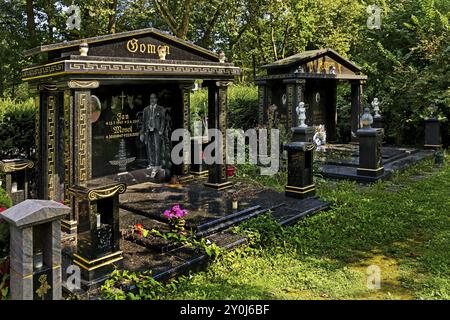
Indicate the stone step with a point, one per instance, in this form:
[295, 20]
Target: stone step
[233, 216]
[230, 222]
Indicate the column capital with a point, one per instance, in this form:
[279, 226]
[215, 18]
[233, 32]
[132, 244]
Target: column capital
[83, 84]
[186, 86]
[47, 87]
[223, 83]
[294, 81]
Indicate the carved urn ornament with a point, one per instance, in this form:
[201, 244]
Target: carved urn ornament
[366, 119]
[84, 48]
[162, 52]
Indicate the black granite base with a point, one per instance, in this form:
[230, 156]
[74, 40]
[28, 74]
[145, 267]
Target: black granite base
[393, 159]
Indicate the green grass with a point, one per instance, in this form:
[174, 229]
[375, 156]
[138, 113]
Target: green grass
[402, 226]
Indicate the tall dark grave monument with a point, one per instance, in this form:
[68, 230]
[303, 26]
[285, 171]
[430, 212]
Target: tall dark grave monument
[300, 170]
[300, 159]
[370, 141]
[432, 131]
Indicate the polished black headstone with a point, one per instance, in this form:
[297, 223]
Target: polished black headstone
[370, 141]
[432, 133]
[300, 170]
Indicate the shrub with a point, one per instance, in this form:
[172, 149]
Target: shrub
[17, 128]
[242, 106]
[5, 202]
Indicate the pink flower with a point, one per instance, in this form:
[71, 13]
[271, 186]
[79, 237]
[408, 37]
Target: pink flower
[175, 213]
[2, 209]
[167, 214]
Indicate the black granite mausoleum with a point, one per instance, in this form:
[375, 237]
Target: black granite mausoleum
[310, 77]
[91, 94]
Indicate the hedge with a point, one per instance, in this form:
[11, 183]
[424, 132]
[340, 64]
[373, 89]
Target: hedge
[17, 128]
[242, 106]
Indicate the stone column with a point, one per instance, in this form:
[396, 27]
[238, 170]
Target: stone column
[37, 140]
[262, 98]
[217, 119]
[295, 93]
[331, 111]
[47, 165]
[186, 103]
[81, 140]
[21, 253]
[356, 92]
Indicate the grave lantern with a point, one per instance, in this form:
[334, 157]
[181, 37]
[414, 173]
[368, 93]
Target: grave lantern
[97, 251]
[35, 246]
[370, 141]
[300, 170]
[15, 180]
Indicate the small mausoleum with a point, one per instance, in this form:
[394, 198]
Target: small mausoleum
[310, 77]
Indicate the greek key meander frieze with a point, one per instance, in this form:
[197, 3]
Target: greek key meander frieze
[82, 123]
[117, 67]
[51, 104]
[67, 146]
[44, 70]
[111, 67]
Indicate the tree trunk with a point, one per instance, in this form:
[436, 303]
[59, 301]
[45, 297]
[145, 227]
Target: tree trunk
[31, 25]
[113, 17]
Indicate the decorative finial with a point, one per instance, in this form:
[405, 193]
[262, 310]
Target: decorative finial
[376, 107]
[222, 57]
[84, 48]
[366, 118]
[301, 114]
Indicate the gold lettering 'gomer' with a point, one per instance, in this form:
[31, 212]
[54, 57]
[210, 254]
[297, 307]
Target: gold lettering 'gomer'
[134, 46]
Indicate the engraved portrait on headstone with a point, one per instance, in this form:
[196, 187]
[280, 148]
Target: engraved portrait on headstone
[152, 131]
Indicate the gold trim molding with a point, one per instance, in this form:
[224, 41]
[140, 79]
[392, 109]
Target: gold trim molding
[12, 167]
[98, 194]
[80, 84]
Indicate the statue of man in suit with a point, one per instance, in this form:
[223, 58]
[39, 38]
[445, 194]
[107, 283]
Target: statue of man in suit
[151, 132]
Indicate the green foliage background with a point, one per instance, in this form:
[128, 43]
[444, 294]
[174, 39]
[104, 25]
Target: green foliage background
[17, 128]
[242, 106]
[407, 60]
